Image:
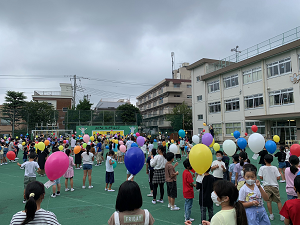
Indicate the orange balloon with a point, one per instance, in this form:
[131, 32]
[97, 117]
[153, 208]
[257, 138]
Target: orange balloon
[164, 143]
[77, 149]
[46, 142]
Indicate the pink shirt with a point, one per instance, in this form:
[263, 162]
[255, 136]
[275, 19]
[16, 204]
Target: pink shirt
[289, 178]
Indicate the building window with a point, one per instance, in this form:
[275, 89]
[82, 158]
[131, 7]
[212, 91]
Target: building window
[200, 117]
[65, 109]
[281, 97]
[4, 122]
[254, 101]
[155, 103]
[176, 85]
[177, 96]
[279, 67]
[213, 86]
[198, 78]
[190, 107]
[199, 98]
[161, 90]
[214, 107]
[260, 125]
[154, 94]
[63, 122]
[49, 103]
[252, 75]
[231, 81]
[232, 104]
[189, 86]
[231, 127]
[217, 129]
[149, 96]
[189, 96]
[149, 106]
[161, 100]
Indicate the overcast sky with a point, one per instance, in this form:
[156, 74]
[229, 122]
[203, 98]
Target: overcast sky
[125, 41]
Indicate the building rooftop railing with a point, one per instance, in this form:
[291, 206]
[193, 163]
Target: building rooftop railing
[277, 41]
[50, 93]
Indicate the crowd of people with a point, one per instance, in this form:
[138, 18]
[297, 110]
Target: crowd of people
[233, 186]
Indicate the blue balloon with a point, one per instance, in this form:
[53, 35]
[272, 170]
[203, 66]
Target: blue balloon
[271, 146]
[107, 147]
[181, 133]
[134, 160]
[21, 135]
[242, 143]
[7, 142]
[236, 134]
[155, 140]
[134, 145]
[185, 147]
[134, 135]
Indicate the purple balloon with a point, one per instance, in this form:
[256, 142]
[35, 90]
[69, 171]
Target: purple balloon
[207, 139]
[140, 141]
[67, 141]
[49, 139]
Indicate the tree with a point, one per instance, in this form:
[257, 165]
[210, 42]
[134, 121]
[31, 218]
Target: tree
[181, 117]
[84, 105]
[129, 113]
[12, 108]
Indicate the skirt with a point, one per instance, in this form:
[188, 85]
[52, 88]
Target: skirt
[257, 216]
[159, 176]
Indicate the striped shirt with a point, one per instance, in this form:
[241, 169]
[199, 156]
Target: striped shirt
[41, 217]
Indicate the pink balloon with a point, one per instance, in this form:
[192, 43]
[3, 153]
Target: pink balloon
[137, 134]
[123, 148]
[56, 165]
[121, 143]
[86, 138]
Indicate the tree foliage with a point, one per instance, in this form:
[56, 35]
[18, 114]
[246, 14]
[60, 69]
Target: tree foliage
[130, 113]
[181, 117]
[84, 104]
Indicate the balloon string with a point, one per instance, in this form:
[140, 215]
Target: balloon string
[131, 176]
[202, 202]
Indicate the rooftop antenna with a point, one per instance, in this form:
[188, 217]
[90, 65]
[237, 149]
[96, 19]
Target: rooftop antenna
[236, 52]
[173, 60]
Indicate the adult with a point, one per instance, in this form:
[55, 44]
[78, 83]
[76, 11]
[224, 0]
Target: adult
[33, 213]
[99, 156]
[211, 130]
[42, 157]
[73, 144]
[130, 142]
[87, 161]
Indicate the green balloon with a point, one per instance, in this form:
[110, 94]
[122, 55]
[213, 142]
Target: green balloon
[231, 134]
[84, 145]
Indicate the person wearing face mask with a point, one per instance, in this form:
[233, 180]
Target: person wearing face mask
[252, 195]
[218, 166]
[238, 169]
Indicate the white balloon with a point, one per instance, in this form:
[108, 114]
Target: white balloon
[19, 146]
[173, 148]
[256, 142]
[229, 147]
[195, 139]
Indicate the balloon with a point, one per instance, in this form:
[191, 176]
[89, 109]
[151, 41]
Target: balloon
[242, 143]
[11, 155]
[107, 147]
[77, 149]
[134, 144]
[41, 146]
[295, 150]
[23, 143]
[256, 142]
[173, 148]
[155, 140]
[185, 147]
[137, 134]
[86, 138]
[200, 158]
[56, 165]
[231, 134]
[47, 142]
[122, 148]
[195, 139]
[181, 133]
[121, 143]
[229, 147]
[212, 144]
[246, 134]
[140, 141]
[164, 143]
[134, 135]
[236, 134]
[172, 141]
[204, 124]
[65, 141]
[203, 131]
[276, 138]
[115, 163]
[84, 145]
[271, 146]
[134, 160]
[216, 147]
[61, 147]
[19, 146]
[254, 128]
[73, 135]
[92, 138]
[207, 139]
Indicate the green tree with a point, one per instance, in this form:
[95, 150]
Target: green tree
[130, 114]
[84, 105]
[12, 108]
[181, 117]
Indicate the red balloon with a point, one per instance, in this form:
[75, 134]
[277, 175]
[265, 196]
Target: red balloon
[11, 155]
[73, 135]
[53, 133]
[295, 150]
[254, 128]
[246, 134]
[65, 141]
[203, 130]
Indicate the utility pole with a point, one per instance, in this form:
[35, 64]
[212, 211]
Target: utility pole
[74, 89]
[236, 52]
[173, 59]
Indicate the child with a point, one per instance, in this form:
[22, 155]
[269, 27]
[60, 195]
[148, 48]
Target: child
[269, 174]
[178, 155]
[226, 159]
[87, 166]
[235, 159]
[218, 166]
[25, 153]
[252, 195]
[150, 171]
[239, 178]
[291, 208]
[1, 154]
[262, 154]
[128, 206]
[70, 172]
[170, 175]
[290, 174]
[287, 152]
[205, 201]
[281, 161]
[188, 191]
[109, 178]
[30, 168]
[5, 150]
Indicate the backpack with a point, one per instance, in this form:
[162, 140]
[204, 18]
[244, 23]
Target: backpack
[117, 219]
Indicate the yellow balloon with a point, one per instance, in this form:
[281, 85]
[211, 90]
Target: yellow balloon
[200, 158]
[23, 143]
[37, 136]
[61, 147]
[17, 137]
[216, 147]
[212, 144]
[92, 138]
[172, 141]
[204, 124]
[276, 138]
[41, 146]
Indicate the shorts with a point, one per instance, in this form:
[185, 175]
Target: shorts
[287, 163]
[28, 180]
[57, 181]
[4, 153]
[98, 156]
[172, 189]
[281, 165]
[178, 156]
[1, 156]
[87, 166]
[109, 177]
[119, 153]
[273, 194]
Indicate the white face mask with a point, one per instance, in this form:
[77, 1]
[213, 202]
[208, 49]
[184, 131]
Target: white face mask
[214, 198]
[219, 158]
[250, 182]
[242, 173]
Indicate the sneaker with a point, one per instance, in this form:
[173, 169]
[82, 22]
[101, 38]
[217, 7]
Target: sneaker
[72, 189]
[1, 165]
[153, 202]
[53, 195]
[16, 158]
[271, 216]
[24, 201]
[169, 206]
[97, 165]
[282, 181]
[217, 204]
[111, 190]
[91, 187]
[191, 219]
[5, 163]
[80, 167]
[57, 193]
[150, 195]
[160, 201]
[67, 189]
[22, 168]
[175, 208]
[83, 187]
[106, 189]
[282, 218]
[100, 164]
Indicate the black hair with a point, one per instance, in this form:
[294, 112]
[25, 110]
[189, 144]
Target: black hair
[268, 158]
[163, 150]
[207, 171]
[286, 146]
[33, 192]
[111, 152]
[281, 148]
[186, 164]
[66, 145]
[235, 157]
[32, 155]
[225, 188]
[88, 148]
[249, 168]
[68, 151]
[129, 197]
[297, 183]
[153, 151]
[219, 152]
[244, 157]
[294, 161]
[170, 156]
[132, 138]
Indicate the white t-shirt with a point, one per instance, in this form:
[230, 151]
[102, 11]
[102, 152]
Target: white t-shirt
[224, 217]
[109, 168]
[248, 195]
[128, 144]
[269, 174]
[150, 146]
[87, 158]
[73, 143]
[144, 148]
[158, 162]
[218, 173]
[30, 168]
[287, 157]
